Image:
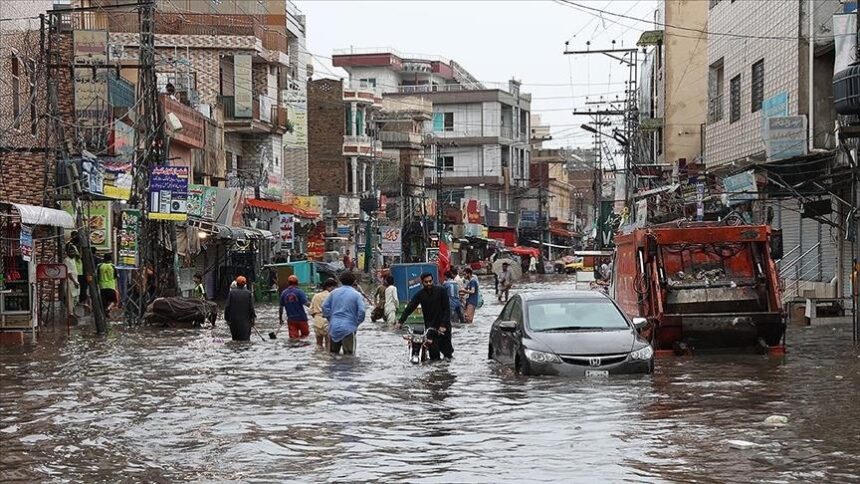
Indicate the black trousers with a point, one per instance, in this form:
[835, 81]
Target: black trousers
[441, 344]
[82, 280]
[240, 331]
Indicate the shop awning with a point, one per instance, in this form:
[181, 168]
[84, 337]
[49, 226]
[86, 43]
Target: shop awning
[36, 215]
[520, 250]
[282, 208]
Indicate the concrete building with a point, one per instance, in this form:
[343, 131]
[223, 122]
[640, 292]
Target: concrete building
[478, 137]
[764, 70]
[294, 98]
[231, 56]
[342, 144]
[673, 91]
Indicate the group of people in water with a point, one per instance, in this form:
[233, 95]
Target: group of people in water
[336, 311]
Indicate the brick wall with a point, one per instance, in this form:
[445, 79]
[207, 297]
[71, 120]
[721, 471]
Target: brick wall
[325, 137]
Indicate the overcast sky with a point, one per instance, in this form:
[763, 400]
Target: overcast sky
[494, 40]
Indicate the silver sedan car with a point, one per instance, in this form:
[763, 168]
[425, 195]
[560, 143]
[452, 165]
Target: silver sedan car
[578, 333]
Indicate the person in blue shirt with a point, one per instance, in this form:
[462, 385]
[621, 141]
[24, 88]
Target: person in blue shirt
[454, 296]
[471, 291]
[294, 301]
[345, 310]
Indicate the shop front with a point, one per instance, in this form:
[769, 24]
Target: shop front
[29, 239]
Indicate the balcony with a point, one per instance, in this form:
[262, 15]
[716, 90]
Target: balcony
[398, 139]
[265, 117]
[361, 146]
[358, 92]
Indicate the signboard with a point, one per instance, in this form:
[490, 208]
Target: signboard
[786, 137]
[51, 272]
[123, 141]
[117, 179]
[97, 216]
[316, 242]
[776, 105]
[343, 230]
[128, 239]
[473, 230]
[90, 47]
[313, 204]
[528, 218]
[471, 211]
[845, 39]
[287, 231]
[91, 98]
[26, 242]
[201, 201]
[740, 188]
[391, 239]
[432, 255]
[242, 92]
[348, 206]
[168, 193]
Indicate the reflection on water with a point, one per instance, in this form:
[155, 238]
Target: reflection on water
[175, 404]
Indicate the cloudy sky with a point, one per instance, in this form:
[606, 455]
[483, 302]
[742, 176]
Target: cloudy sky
[495, 40]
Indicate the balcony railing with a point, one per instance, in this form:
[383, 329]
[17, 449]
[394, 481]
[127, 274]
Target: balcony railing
[507, 132]
[274, 115]
[401, 137]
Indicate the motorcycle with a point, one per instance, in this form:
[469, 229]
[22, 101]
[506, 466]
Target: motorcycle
[417, 342]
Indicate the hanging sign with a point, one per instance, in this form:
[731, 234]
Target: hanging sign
[128, 239]
[51, 272]
[287, 230]
[26, 243]
[168, 193]
[391, 241]
[201, 201]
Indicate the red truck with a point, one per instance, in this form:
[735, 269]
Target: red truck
[702, 285]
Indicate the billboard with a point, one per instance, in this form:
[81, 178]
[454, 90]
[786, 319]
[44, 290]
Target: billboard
[168, 193]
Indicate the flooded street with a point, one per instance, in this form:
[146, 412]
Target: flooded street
[174, 404]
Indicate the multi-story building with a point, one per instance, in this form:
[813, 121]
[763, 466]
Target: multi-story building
[294, 98]
[478, 138]
[230, 56]
[771, 119]
[582, 177]
[343, 145]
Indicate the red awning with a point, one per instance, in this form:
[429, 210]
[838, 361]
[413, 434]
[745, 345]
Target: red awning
[281, 208]
[520, 250]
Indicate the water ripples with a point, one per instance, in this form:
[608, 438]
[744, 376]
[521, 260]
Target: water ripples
[179, 404]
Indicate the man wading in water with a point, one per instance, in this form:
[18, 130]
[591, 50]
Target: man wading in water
[435, 306]
[239, 311]
[345, 310]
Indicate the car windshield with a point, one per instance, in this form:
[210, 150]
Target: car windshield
[575, 314]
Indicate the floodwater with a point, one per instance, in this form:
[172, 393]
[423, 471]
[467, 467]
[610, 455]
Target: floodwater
[163, 405]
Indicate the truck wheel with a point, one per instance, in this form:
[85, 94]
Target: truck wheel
[490, 352]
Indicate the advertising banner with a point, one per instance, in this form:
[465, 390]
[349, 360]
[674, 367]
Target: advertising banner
[312, 204]
[740, 188]
[201, 201]
[391, 239]
[168, 193]
[26, 242]
[316, 242]
[287, 231]
[97, 216]
[786, 137]
[472, 211]
[117, 179]
[128, 239]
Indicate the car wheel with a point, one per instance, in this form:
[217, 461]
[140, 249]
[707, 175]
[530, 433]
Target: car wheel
[490, 353]
[522, 365]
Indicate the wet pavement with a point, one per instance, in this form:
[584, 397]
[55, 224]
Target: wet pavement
[165, 405]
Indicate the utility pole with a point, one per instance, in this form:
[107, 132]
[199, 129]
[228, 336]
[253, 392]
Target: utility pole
[55, 134]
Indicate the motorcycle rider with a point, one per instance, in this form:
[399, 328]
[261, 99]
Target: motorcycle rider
[436, 308]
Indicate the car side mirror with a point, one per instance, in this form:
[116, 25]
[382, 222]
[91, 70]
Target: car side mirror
[639, 323]
[508, 326]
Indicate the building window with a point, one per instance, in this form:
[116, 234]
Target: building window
[447, 163]
[16, 93]
[735, 99]
[368, 82]
[757, 85]
[716, 83]
[448, 122]
[494, 200]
